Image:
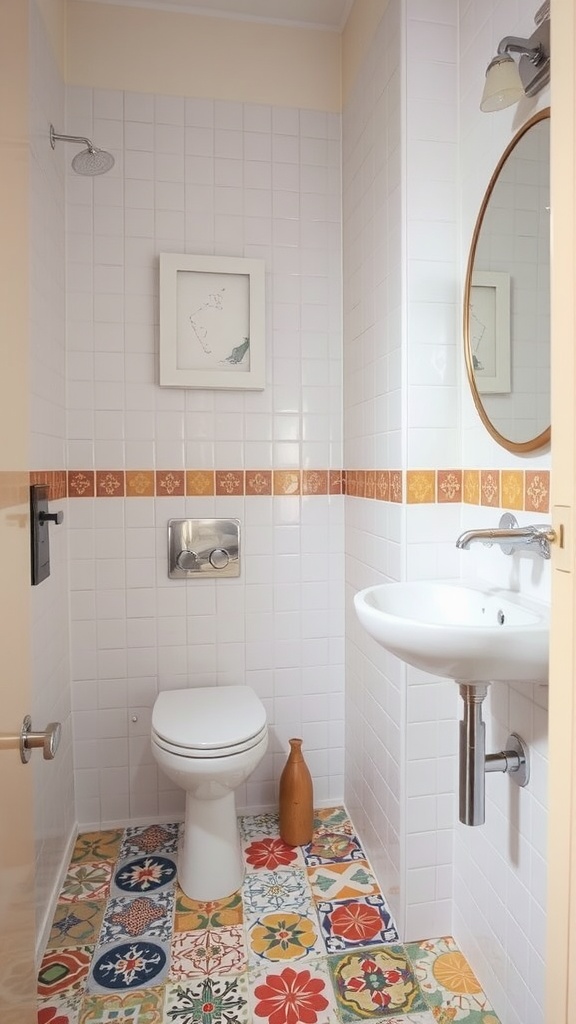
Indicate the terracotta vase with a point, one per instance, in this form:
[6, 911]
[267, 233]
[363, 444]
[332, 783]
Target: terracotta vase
[296, 800]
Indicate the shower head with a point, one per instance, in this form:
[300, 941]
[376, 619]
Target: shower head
[89, 161]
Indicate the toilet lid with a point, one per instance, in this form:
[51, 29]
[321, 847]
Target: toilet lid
[208, 717]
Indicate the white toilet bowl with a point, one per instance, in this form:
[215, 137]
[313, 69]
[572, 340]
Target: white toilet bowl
[209, 740]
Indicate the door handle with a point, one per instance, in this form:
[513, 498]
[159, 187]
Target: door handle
[49, 740]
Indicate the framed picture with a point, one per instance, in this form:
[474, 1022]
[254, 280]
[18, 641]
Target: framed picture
[490, 331]
[211, 322]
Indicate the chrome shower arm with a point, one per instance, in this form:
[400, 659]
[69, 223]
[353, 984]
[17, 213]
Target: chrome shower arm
[59, 137]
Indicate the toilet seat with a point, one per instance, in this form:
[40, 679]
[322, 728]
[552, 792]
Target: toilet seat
[208, 721]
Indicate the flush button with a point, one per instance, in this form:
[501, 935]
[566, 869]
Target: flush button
[219, 558]
[187, 560]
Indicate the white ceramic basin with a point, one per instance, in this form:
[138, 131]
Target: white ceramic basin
[470, 632]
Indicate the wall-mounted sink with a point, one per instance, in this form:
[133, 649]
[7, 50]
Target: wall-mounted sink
[466, 631]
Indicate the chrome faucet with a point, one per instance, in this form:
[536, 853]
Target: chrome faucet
[511, 537]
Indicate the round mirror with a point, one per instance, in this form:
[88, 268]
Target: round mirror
[507, 294]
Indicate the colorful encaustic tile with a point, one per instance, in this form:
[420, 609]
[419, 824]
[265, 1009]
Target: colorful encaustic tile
[278, 937]
[267, 853]
[139, 916]
[332, 819]
[76, 924]
[89, 880]
[343, 881]
[139, 963]
[215, 1000]
[212, 952]
[285, 889]
[292, 994]
[253, 825]
[143, 875]
[152, 839]
[449, 984]
[63, 973]
[375, 984]
[133, 1007]
[53, 1013]
[97, 846]
[354, 923]
[327, 847]
[194, 915]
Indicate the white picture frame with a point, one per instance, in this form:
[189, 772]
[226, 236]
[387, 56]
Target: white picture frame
[212, 322]
[490, 331]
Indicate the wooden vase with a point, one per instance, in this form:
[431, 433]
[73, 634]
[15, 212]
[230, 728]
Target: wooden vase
[296, 800]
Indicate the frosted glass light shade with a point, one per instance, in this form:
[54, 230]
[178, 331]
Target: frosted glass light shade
[503, 86]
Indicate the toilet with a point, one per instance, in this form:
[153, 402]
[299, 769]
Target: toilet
[208, 740]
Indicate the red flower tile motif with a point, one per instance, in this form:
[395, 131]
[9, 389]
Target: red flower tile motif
[110, 483]
[356, 922]
[229, 481]
[314, 481]
[81, 483]
[258, 481]
[170, 483]
[52, 1015]
[269, 854]
[291, 997]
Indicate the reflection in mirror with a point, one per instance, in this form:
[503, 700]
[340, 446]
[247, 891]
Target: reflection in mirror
[507, 294]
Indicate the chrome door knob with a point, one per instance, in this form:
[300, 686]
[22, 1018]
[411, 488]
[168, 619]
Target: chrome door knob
[49, 740]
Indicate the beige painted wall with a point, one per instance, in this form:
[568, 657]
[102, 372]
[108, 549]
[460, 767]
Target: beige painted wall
[54, 16]
[178, 54]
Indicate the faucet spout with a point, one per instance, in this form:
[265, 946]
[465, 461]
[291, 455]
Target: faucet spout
[511, 537]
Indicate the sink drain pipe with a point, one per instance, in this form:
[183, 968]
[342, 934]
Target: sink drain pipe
[474, 762]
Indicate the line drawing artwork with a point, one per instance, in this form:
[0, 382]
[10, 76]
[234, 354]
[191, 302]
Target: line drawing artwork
[214, 309]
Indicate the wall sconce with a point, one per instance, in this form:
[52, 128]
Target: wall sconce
[508, 81]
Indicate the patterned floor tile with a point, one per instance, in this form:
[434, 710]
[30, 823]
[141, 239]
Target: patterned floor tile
[281, 937]
[128, 965]
[143, 1007]
[63, 974]
[213, 952]
[448, 983]
[293, 993]
[92, 846]
[192, 915]
[143, 875]
[138, 916]
[216, 1000]
[262, 825]
[76, 924]
[151, 839]
[54, 1012]
[330, 847]
[285, 889]
[347, 880]
[332, 819]
[354, 923]
[89, 880]
[263, 853]
[375, 984]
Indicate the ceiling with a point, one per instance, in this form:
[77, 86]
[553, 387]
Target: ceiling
[327, 14]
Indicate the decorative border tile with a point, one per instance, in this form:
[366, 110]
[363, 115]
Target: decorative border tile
[420, 486]
[537, 491]
[110, 483]
[314, 481]
[286, 481]
[170, 483]
[200, 482]
[472, 486]
[230, 482]
[449, 485]
[258, 481]
[490, 487]
[140, 483]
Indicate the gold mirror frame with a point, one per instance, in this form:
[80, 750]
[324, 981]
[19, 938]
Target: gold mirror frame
[544, 438]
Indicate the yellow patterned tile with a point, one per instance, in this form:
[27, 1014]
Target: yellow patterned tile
[512, 481]
[472, 486]
[200, 481]
[420, 486]
[314, 481]
[286, 481]
[140, 483]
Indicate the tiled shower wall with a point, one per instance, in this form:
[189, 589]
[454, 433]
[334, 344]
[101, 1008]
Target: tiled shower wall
[53, 780]
[399, 159]
[215, 178]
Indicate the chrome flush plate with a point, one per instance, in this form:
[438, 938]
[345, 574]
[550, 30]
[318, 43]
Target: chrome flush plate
[206, 548]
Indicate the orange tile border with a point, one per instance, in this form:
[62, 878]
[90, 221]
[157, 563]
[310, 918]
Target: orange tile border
[258, 481]
[420, 486]
[490, 487]
[170, 483]
[314, 481]
[139, 483]
[512, 485]
[336, 481]
[537, 490]
[230, 481]
[449, 485]
[81, 483]
[396, 485]
[286, 481]
[382, 484]
[200, 482]
[370, 486]
[471, 486]
[110, 483]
